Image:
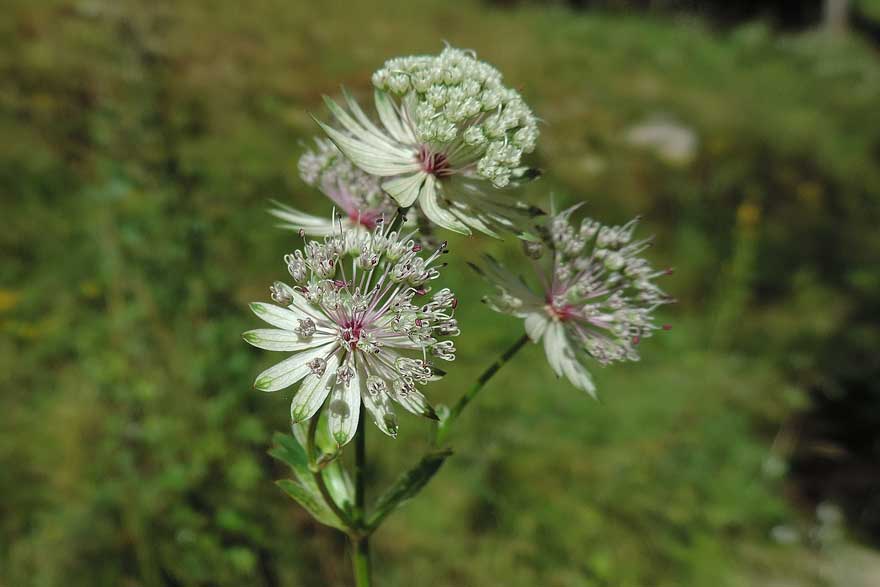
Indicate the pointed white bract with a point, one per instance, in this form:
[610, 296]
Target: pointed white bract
[449, 135]
[361, 325]
[356, 194]
[597, 299]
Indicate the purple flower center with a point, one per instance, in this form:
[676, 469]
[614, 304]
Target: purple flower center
[351, 332]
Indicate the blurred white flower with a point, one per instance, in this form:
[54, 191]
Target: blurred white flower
[357, 333]
[829, 514]
[356, 194]
[785, 535]
[673, 142]
[774, 466]
[599, 296]
[829, 528]
[450, 133]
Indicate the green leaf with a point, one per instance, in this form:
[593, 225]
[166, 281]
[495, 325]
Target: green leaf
[288, 450]
[339, 485]
[407, 486]
[311, 502]
[443, 424]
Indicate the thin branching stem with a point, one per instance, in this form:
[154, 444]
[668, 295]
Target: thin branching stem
[446, 426]
[360, 544]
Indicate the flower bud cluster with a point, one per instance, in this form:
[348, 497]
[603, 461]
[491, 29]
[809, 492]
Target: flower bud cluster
[600, 294]
[453, 98]
[402, 274]
[602, 279]
[327, 168]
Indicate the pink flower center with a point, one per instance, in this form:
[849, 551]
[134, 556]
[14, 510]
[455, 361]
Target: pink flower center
[351, 333]
[561, 312]
[434, 163]
[365, 219]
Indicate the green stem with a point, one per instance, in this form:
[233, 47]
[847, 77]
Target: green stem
[446, 426]
[411, 482]
[310, 439]
[360, 559]
[360, 554]
[360, 463]
[399, 217]
[406, 487]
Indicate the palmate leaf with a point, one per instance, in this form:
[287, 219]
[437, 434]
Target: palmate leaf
[407, 486]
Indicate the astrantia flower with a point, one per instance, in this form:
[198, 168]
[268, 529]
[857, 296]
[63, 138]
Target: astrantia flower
[361, 327]
[355, 193]
[599, 296]
[451, 132]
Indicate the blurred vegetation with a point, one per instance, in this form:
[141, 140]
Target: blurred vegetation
[141, 144]
[780, 13]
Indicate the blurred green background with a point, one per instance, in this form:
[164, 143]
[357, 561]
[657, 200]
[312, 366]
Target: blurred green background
[141, 142]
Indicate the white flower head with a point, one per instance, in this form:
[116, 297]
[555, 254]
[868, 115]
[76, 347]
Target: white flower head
[355, 193]
[449, 130]
[598, 297]
[361, 327]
